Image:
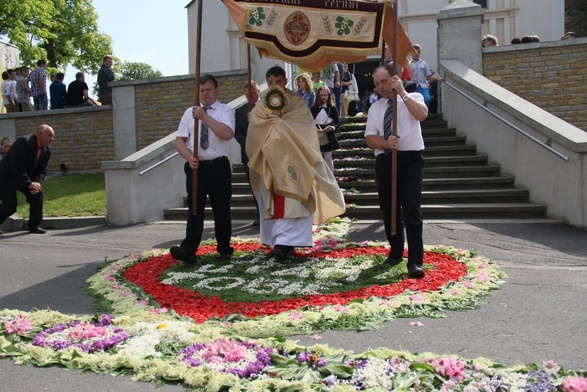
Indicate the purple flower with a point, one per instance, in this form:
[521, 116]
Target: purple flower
[538, 381]
[304, 357]
[99, 335]
[243, 359]
[329, 381]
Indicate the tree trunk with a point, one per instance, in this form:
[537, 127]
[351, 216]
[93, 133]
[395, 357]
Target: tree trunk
[51, 58]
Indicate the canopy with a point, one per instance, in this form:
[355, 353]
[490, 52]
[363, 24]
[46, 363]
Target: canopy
[315, 33]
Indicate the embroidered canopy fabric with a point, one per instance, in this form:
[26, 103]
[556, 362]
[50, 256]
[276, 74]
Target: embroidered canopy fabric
[315, 33]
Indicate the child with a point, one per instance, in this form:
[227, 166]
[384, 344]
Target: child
[326, 119]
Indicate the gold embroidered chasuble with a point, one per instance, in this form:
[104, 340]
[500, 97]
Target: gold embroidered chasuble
[284, 156]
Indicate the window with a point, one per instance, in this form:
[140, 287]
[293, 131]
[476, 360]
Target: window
[482, 3]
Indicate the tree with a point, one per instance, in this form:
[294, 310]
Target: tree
[133, 71]
[63, 32]
[575, 16]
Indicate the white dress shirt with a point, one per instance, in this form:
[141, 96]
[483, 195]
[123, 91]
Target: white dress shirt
[217, 147]
[408, 128]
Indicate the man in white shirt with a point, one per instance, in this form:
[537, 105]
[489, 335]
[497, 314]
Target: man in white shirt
[216, 121]
[9, 91]
[410, 110]
[422, 75]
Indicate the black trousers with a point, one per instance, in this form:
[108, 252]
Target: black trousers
[10, 202]
[214, 180]
[410, 169]
[245, 161]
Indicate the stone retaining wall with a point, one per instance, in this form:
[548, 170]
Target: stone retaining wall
[161, 103]
[551, 75]
[85, 136]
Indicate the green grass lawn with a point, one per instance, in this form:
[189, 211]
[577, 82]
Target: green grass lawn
[70, 195]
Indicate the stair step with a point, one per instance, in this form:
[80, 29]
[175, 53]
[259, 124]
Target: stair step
[433, 124]
[461, 171]
[438, 131]
[351, 133]
[358, 134]
[453, 196]
[444, 140]
[350, 149]
[446, 143]
[460, 211]
[429, 172]
[241, 213]
[513, 195]
[429, 211]
[435, 151]
[459, 183]
[428, 184]
[479, 159]
[443, 161]
[443, 183]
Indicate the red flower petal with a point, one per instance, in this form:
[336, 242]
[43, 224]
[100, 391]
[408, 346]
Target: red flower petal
[201, 307]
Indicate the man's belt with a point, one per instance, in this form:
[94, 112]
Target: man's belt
[212, 161]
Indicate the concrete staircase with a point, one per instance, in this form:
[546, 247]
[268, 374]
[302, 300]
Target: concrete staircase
[458, 182]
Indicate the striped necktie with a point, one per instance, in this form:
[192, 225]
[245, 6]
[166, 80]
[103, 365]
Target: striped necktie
[387, 120]
[204, 132]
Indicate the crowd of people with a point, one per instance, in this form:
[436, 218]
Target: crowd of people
[351, 100]
[287, 139]
[287, 142]
[491, 40]
[23, 163]
[20, 85]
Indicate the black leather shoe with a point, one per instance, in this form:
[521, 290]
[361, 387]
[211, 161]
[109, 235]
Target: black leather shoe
[390, 261]
[224, 256]
[415, 272]
[179, 254]
[281, 251]
[37, 230]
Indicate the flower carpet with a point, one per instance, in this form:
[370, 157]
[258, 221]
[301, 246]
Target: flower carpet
[224, 326]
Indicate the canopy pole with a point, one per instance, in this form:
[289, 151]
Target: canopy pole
[249, 76]
[394, 128]
[197, 103]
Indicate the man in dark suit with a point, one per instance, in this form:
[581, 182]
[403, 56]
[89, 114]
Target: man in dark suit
[242, 124]
[23, 169]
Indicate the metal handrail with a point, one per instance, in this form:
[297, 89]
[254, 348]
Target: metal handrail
[516, 128]
[158, 164]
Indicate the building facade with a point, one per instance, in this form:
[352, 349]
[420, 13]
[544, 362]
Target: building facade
[223, 48]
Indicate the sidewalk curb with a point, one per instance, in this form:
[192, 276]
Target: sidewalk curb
[16, 223]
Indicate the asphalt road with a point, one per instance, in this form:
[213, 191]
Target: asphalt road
[539, 314]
